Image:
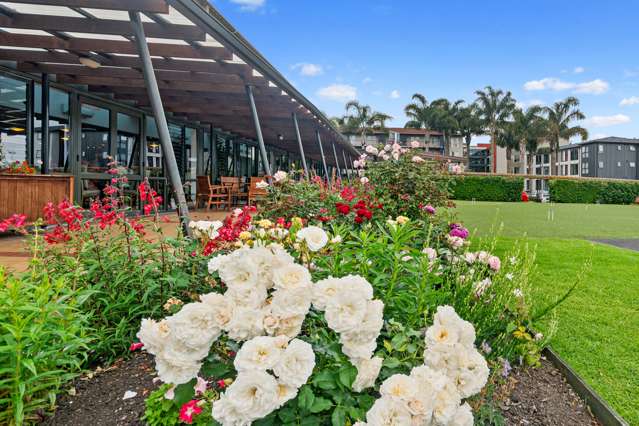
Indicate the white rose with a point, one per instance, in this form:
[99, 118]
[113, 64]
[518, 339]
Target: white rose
[367, 372]
[324, 291]
[154, 335]
[226, 413]
[253, 297]
[290, 326]
[388, 412]
[472, 372]
[246, 323]
[364, 180]
[296, 364]
[259, 353]
[221, 307]
[194, 326]
[253, 393]
[239, 274]
[446, 315]
[292, 276]
[261, 184]
[463, 416]
[345, 312]
[217, 262]
[285, 393]
[356, 350]
[287, 303]
[315, 237]
[447, 401]
[357, 284]
[280, 176]
[371, 324]
[399, 387]
[176, 370]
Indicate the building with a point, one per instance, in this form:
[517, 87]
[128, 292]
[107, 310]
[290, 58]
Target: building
[611, 157]
[80, 74]
[431, 141]
[481, 159]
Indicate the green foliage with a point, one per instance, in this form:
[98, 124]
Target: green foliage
[161, 411]
[43, 343]
[591, 191]
[487, 188]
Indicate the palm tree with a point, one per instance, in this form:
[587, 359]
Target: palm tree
[418, 112]
[495, 107]
[468, 124]
[528, 126]
[507, 138]
[362, 119]
[443, 118]
[559, 117]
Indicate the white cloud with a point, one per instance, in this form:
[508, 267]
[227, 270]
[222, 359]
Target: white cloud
[607, 120]
[338, 92]
[578, 70]
[394, 94]
[367, 80]
[249, 5]
[633, 100]
[308, 70]
[595, 87]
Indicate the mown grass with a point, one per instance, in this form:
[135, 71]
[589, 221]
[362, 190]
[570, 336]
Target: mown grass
[598, 333]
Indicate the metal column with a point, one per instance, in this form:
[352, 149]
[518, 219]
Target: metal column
[319, 141]
[299, 142]
[258, 131]
[348, 169]
[160, 120]
[44, 150]
[339, 171]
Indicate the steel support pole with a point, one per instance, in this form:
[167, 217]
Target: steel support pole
[299, 142]
[339, 170]
[44, 126]
[160, 120]
[319, 141]
[348, 169]
[258, 131]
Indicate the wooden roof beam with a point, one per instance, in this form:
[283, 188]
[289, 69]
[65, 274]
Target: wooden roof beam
[150, 6]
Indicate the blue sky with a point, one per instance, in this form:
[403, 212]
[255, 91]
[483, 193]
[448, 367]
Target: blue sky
[381, 52]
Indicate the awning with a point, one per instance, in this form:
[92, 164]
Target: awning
[201, 62]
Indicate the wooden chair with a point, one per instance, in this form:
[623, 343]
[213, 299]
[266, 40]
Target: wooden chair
[234, 187]
[256, 193]
[214, 195]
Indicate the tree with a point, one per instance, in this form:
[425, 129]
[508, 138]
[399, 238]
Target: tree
[495, 107]
[528, 128]
[443, 118]
[418, 113]
[468, 124]
[362, 119]
[559, 118]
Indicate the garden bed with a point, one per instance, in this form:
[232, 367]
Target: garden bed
[531, 396]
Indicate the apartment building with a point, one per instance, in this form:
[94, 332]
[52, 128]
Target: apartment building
[431, 141]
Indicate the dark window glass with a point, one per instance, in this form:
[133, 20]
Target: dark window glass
[128, 148]
[13, 120]
[96, 143]
[59, 129]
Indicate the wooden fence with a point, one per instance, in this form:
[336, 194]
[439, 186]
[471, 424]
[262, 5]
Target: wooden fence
[27, 194]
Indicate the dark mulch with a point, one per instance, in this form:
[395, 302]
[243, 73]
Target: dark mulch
[541, 397]
[630, 244]
[98, 396]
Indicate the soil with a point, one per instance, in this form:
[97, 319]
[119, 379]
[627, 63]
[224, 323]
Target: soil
[541, 396]
[98, 396]
[530, 397]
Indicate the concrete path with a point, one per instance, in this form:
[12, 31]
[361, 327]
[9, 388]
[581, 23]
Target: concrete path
[630, 244]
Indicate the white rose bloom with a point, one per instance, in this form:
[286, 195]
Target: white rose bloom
[440, 334]
[336, 239]
[388, 412]
[270, 321]
[194, 326]
[280, 176]
[260, 353]
[242, 273]
[472, 372]
[356, 350]
[263, 258]
[447, 316]
[287, 303]
[316, 238]
[463, 416]
[206, 228]
[290, 326]
[253, 297]
[296, 364]
[285, 393]
[399, 387]
[176, 370]
[367, 372]
[227, 413]
[292, 276]
[359, 424]
[252, 395]
[346, 312]
[154, 335]
[358, 284]
[447, 401]
[281, 257]
[324, 291]
[245, 323]
[371, 324]
[217, 262]
[221, 307]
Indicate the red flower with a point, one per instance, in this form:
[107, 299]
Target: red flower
[343, 208]
[359, 219]
[364, 212]
[221, 384]
[135, 346]
[189, 410]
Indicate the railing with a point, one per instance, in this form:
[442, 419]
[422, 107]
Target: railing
[28, 194]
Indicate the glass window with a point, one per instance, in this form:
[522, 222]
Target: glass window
[601, 148]
[618, 147]
[574, 169]
[96, 140]
[632, 164]
[128, 149]
[59, 129]
[618, 163]
[13, 120]
[601, 164]
[190, 140]
[633, 148]
[206, 155]
[153, 160]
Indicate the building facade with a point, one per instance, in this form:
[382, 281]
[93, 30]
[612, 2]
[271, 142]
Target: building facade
[430, 141]
[611, 157]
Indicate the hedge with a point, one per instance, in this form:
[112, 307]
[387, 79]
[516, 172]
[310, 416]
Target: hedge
[590, 191]
[487, 188]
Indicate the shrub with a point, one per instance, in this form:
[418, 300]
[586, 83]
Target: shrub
[487, 188]
[593, 191]
[43, 343]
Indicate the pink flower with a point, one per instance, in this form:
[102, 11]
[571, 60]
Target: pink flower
[200, 386]
[189, 410]
[417, 159]
[135, 346]
[414, 144]
[364, 180]
[429, 209]
[494, 263]
[221, 384]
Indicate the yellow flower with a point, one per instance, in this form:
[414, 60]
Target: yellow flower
[245, 235]
[402, 219]
[297, 221]
[265, 223]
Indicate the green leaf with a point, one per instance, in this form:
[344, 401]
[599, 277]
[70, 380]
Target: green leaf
[391, 362]
[388, 345]
[311, 421]
[287, 414]
[339, 417]
[320, 404]
[184, 393]
[305, 398]
[398, 341]
[325, 380]
[347, 375]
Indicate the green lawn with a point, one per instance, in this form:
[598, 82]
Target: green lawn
[598, 332]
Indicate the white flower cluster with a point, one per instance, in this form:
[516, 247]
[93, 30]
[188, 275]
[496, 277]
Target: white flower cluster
[205, 228]
[432, 394]
[256, 392]
[351, 311]
[314, 237]
[267, 293]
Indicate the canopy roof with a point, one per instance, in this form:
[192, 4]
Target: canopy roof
[201, 62]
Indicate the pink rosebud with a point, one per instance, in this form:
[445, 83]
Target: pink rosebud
[135, 346]
[494, 263]
[221, 384]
